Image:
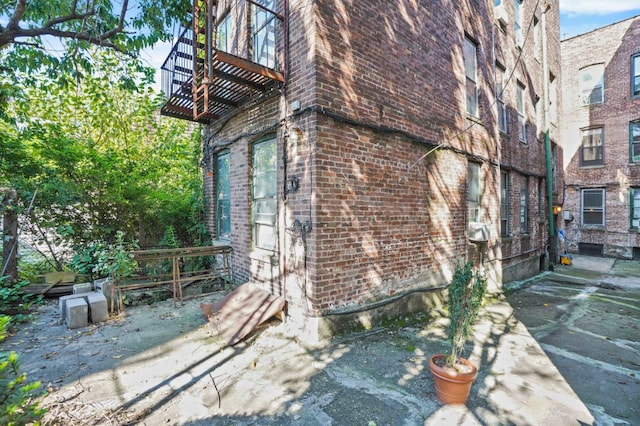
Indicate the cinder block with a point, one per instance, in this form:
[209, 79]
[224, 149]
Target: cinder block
[98, 310]
[77, 313]
[104, 286]
[62, 303]
[82, 288]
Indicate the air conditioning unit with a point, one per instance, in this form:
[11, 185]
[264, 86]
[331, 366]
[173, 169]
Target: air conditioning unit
[478, 232]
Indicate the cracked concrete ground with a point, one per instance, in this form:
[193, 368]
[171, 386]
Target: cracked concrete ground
[590, 329]
[161, 364]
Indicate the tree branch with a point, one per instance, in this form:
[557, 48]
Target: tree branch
[21, 5]
[12, 31]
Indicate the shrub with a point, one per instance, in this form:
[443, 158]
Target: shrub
[465, 299]
[18, 397]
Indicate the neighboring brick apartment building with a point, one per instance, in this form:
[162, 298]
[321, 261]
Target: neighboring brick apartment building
[601, 140]
[354, 152]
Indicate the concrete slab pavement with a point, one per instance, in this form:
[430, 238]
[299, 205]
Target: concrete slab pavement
[540, 361]
[586, 317]
[161, 365]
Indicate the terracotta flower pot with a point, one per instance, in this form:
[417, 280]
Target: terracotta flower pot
[452, 387]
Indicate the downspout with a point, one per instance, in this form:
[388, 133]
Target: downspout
[547, 141]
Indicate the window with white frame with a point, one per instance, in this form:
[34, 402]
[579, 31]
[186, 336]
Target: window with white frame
[223, 196]
[518, 23]
[536, 38]
[592, 84]
[592, 207]
[635, 75]
[224, 36]
[263, 26]
[500, 88]
[264, 202]
[635, 208]
[504, 204]
[634, 141]
[474, 191]
[520, 105]
[591, 150]
[471, 76]
[524, 206]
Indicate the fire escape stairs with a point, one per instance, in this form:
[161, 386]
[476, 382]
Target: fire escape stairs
[203, 82]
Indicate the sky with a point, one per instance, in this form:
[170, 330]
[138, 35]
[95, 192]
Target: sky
[581, 16]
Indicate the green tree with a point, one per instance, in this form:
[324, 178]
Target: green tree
[101, 159]
[123, 26]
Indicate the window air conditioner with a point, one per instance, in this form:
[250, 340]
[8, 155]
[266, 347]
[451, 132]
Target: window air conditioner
[478, 232]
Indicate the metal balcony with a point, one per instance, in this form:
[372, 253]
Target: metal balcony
[237, 60]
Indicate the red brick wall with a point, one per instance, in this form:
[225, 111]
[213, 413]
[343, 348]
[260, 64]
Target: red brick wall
[379, 86]
[613, 46]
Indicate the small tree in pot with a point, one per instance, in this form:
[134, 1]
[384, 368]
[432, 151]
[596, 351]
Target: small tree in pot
[453, 375]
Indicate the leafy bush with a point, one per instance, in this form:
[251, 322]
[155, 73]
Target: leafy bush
[116, 260]
[14, 301]
[85, 260]
[18, 404]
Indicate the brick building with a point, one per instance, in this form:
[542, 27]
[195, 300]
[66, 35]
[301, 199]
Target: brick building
[354, 152]
[601, 140]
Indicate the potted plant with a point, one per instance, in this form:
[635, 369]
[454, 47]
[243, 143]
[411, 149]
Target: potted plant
[454, 375]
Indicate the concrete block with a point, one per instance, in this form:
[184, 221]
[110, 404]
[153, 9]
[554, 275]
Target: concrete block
[77, 313]
[98, 310]
[104, 286]
[62, 303]
[82, 288]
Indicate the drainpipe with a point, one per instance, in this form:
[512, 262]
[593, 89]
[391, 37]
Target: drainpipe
[547, 142]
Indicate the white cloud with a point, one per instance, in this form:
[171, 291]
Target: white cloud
[597, 7]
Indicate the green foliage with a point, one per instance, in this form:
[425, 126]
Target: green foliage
[18, 404]
[14, 301]
[86, 258]
[466, 292]
[101, 159]
[27, 47]
[116, 260]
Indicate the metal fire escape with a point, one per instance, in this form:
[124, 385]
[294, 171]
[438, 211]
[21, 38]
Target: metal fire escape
[224, 60]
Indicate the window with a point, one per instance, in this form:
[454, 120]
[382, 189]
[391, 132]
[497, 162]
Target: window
[518, 23]
[524, 206]
[591, 152]
[635, 75]
[224, 41]
[471, 70]
[592, 84]
[553, 99]
[593, 207]
[504, 204]
[536, 39]
[634, 141]
[540, 198]
[223, 197]
[502, 109]
[635, 208]
[474, 192]
[522, 125]
[264, 194]
[264, 33]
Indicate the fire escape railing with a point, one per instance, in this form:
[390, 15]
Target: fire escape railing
[223, 61]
